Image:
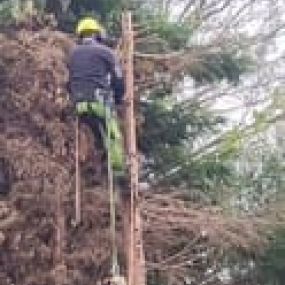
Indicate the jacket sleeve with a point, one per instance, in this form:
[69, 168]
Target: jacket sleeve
[117, 80]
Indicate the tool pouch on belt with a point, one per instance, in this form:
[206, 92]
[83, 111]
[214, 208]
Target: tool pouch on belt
[89, 94]
[104, 97]
[93, 102]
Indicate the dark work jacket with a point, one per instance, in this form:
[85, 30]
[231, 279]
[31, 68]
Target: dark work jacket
[93, 65]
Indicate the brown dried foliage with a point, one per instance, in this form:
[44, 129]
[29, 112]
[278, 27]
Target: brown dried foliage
[37, 140]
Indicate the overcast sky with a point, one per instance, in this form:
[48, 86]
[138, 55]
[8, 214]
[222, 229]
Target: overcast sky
[270, 56]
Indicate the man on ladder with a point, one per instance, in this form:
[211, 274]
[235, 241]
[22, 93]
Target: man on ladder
[96, 81]
[96, 84]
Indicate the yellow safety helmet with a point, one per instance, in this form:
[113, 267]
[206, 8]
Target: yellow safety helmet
[88, 25]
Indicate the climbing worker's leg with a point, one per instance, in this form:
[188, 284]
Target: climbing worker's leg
[99, 110]
[116, 146]
[93, 122]
[117, 156]
[93, 171]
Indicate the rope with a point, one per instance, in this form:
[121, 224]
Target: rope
[77, 177]
[115, 270]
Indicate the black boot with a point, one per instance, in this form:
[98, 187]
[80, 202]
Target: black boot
[4, 178]
[122, 182]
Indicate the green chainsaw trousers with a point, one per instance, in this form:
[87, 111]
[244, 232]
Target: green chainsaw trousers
[110, 124]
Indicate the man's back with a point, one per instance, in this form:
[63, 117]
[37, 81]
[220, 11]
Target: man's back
[89, 66]
[93, 65]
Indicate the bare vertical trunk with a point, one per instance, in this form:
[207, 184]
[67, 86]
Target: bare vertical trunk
[77, 177]
[280, 136]
[139, 268]
[280, 141]
[136, 262]
[29, 7]
[60, 270]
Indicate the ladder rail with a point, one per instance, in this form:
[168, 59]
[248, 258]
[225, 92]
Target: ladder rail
[115, 270]
[78, 199]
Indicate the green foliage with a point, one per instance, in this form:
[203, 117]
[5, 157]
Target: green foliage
[209, 175]
[13, 12]
[222, 65]
[9, 12]
[231, 144]
[68, 15]
[170, 131]
[173, 35]
[272, 265]
[259, 175]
